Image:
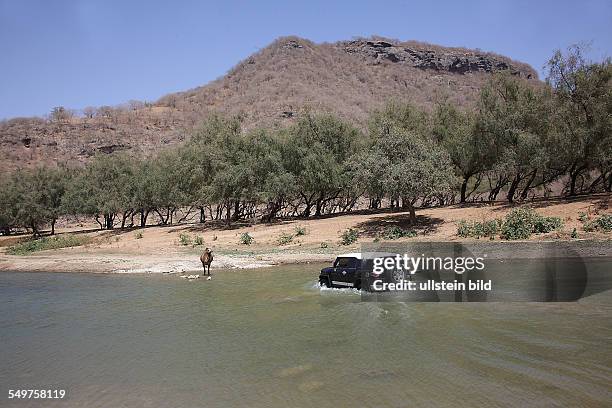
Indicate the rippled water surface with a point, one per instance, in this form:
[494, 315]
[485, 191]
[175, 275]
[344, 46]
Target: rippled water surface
[272, 338]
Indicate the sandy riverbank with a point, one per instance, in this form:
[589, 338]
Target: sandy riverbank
[157, 249]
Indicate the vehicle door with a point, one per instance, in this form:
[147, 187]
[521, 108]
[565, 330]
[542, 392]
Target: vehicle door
[345, 270]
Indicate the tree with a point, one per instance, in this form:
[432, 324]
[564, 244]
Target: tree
[60, 114]
[513, 117]
[583, 91]
[318, 152]
[405, 163]
[469, 150]
[32, 199]
[103, 188]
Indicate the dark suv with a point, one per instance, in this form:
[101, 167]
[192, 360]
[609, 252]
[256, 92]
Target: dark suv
[345, 273]
[353, 271]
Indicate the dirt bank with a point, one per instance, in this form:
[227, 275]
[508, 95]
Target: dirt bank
[159, 249]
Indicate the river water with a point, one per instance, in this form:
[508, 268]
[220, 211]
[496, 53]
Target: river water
[272, 338]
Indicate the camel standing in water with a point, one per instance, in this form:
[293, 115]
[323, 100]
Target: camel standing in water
[206, 258]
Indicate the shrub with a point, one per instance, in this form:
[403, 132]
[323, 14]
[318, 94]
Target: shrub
[198, 240]
[396, 232]
[519, 223]
[324, 245]
[349, 236]
[184, 239]
[478, 229]
[601, 223]
[139, 235]
[547, 224]
[574, 233]
[464, 229]
[583, 217]
[299, 231]
[42, 244]
[246, 238]
[284, 239]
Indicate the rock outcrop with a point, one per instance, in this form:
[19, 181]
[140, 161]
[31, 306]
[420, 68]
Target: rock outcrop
[453, 60]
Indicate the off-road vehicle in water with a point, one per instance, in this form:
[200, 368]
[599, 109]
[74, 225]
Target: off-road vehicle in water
[353, 271]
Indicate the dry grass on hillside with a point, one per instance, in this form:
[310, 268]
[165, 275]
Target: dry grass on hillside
[270, 88]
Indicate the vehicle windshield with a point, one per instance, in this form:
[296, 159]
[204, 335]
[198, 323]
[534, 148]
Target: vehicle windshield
[344, 263]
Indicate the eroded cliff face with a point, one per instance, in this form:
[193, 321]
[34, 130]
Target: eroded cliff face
[453, 60]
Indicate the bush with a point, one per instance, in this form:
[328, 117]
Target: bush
[299, 231]
[284, 239]
[42, 244]
[478, 229]
[583, 217]
[324, 245]
[547, 224]
[184, 239]
[464, 229]
[198, 240]
[574, 233]
[396, 232]
[139, 235]
[601, 223]
[519, 223]
[349, 236]
[246, 239]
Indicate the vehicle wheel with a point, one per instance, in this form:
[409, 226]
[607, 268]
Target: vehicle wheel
[357, 285]
[324, 282]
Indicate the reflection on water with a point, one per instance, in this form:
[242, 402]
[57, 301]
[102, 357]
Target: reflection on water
[272, 338]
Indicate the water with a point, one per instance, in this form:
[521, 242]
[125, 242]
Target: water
[272, 338]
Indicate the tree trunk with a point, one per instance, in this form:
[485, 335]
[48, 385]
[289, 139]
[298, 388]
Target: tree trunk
[124, 218]
[411, 210]
[513, 187]
[318, 206]
[525, 191]
[53, 226]
[143, 217]
[35, 231]
[464, 189]
[573, 179]
[574, 173]
[98, 221]
[108, 221]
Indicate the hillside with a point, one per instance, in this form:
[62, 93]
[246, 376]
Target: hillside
[270, 88]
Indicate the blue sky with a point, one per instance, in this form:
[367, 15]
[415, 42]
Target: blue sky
[106, 52]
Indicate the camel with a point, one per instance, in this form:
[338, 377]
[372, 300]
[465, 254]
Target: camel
[206, 258]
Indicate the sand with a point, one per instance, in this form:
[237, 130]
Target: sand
[159, 249]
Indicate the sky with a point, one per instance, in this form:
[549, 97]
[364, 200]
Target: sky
[107, 52]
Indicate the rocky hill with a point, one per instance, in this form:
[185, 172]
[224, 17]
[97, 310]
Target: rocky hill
[270, 88]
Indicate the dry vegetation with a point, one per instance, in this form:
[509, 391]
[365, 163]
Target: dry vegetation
[271, 88]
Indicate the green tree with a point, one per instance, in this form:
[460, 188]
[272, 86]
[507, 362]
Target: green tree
[469, 149]
[318, 152]
[32, 199]
[405, 163]
[583, 91]
[513, 115]
[103, 188]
